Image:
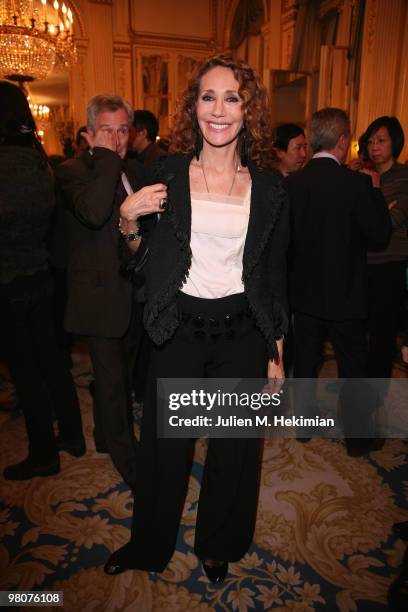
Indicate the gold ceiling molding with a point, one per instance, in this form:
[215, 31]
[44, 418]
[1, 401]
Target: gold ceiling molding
[79, 28]
[170, 40]
[121, 49]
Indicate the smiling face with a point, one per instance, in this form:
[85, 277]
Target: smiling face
[116, 122]
[219, 107]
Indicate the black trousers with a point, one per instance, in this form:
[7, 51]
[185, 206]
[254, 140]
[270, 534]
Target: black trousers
[39, 370]
[113, 361]
[142, 358]
[386, 283]
[229, 489]
[64, 339]
[349, 345]
[357, 400]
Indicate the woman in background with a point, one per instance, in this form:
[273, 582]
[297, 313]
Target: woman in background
[383, 141]
[43, 381]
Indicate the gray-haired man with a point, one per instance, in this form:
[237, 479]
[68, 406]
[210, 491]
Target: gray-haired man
[99, 295]
[336, 215]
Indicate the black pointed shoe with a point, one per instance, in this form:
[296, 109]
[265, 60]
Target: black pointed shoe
[27, 469]
[215, 570]
[120, 561]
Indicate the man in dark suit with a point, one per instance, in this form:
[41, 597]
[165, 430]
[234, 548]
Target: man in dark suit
[336, 215]
[100, 300]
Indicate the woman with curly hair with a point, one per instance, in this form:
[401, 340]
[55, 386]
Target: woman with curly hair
[215, 282]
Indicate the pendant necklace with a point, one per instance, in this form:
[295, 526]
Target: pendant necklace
[237, 169]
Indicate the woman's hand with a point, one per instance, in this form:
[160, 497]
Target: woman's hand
[276, 371]
[144, 202]
[375, 177]
[356, 164]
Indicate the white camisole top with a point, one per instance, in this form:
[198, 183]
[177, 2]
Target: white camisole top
[219, 226]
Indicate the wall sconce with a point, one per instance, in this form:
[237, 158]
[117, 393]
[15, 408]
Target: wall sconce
[354, 149]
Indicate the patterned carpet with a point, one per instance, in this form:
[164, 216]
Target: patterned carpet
[323, 537]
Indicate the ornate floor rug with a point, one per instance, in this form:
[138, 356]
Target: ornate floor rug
[323, 537]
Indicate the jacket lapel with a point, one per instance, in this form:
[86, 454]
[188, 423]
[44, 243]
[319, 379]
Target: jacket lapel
[86, 158]
[179, 206]
[267, 196]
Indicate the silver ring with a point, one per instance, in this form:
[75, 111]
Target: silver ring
[162, 203]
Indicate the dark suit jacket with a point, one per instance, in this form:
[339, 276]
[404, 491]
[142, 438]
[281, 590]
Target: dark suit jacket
[336, 214]
[99, 295]
[264, 259]
[151, 153]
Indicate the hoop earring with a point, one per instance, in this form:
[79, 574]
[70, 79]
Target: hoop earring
[244, 145]
[198, 145]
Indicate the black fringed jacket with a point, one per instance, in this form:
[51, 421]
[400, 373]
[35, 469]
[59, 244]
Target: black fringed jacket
[264, 260]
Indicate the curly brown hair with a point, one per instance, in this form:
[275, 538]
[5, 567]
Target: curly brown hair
[255, 106]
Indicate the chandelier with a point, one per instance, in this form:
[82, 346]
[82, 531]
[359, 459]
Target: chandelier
[35, 36]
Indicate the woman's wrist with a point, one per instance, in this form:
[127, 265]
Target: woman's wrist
[129, 225]
[279, 345]
[129, 230]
